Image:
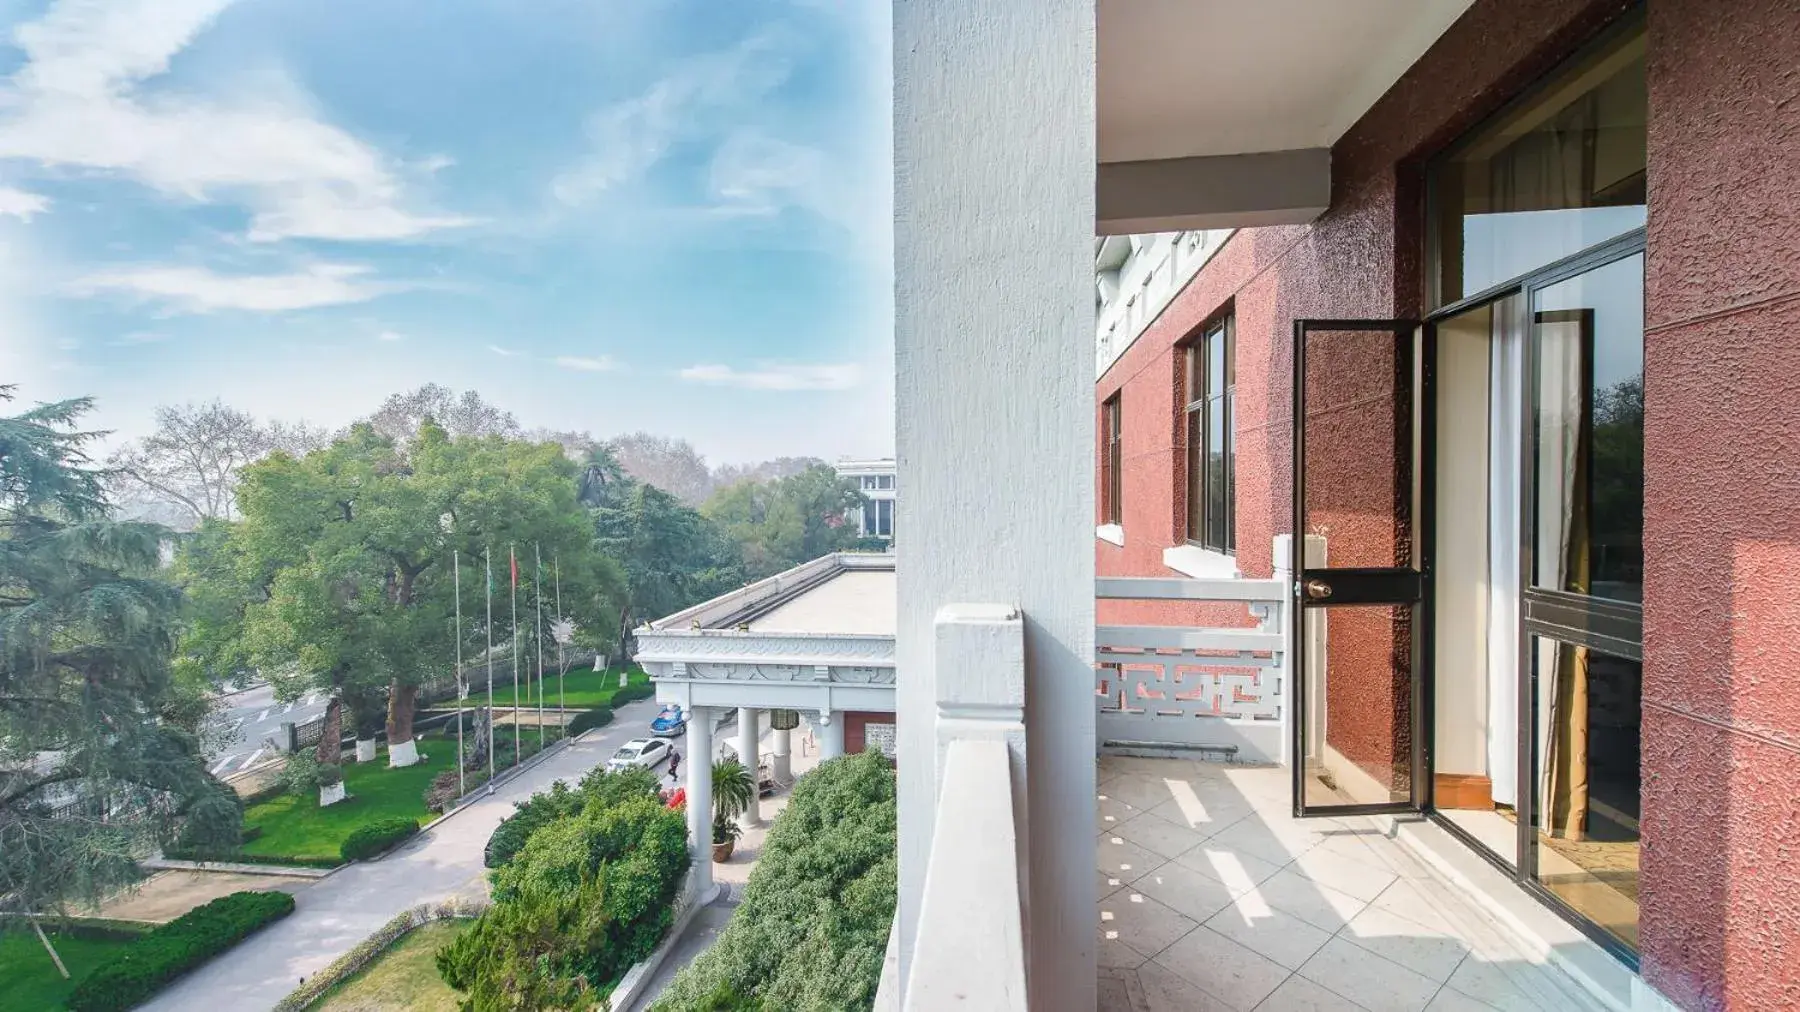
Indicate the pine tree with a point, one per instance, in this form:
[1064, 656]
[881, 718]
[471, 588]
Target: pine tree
[93, 772]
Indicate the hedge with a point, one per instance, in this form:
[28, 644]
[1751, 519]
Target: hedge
[376, 837]
[100, 929]
[633, 692]
[234, 857]
[166, 952]
[587, 720]
[812, 929]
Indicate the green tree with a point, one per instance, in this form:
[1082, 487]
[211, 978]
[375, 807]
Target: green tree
[672, 556]
[782, 523]
[343, 558]
[96, 766]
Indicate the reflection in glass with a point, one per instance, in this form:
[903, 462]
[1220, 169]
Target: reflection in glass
[1359, 720]
[1545, 180]
[1586, 824]
[1357, 454]
[1589, 334]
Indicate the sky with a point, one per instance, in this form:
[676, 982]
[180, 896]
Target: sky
[603, 215]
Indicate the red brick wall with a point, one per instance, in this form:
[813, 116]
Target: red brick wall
[1721, 763]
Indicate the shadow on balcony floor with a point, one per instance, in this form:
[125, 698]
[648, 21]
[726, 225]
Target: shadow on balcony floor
[1213, 897]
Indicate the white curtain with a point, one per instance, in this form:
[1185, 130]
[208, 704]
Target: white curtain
[1505, 409]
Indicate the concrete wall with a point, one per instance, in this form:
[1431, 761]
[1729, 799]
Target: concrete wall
[1721, 794]
[994, 327]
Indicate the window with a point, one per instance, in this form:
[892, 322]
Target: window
[885, 481]
[1211, 466]
[1555, 173]
[883, 526]
[1110, 461]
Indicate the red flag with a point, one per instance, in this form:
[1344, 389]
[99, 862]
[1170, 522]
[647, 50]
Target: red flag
[515, 566]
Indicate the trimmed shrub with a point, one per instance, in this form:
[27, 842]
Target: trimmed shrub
[587, 896]
[447, 788]
[168, 951]
[633, 692]
[301, 774]
[233, 857]
[812, 929]
[330, 774]
[532, 814]
[367, 841]
[586, 720]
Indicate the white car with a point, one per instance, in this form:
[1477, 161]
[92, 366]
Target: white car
[645, 752]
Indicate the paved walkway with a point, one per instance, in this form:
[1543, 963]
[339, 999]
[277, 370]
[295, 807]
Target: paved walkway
[1213, 897]
[338, 912]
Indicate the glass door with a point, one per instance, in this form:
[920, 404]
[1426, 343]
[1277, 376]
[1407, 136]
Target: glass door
[1361, 623]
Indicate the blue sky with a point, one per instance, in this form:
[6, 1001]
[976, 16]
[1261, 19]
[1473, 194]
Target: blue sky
[609, 215]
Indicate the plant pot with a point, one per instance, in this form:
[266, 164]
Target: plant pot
[331, 795]
[722, 851]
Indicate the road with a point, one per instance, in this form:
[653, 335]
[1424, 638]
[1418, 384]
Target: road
[346, 907]
[237, 733]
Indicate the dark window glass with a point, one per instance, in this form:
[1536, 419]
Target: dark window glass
[1550, 177]
[1210, 475]
[1111, 493]
[1589, 433]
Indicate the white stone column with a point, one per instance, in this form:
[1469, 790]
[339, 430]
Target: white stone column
[699, 795]
[831, 735]
[749, 747]
[782, 746]
[981, 424]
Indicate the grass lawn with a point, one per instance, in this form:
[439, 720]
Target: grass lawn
[402, 979]
[296, 826]
[582, 687]
[28, 980]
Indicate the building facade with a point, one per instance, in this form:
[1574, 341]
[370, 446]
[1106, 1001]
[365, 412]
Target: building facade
[875, 479]
[1488, 311]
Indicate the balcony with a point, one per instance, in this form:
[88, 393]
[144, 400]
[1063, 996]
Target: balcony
[1209, 893]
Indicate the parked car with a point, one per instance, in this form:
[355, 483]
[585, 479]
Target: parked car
[670, 723]
[645, 752]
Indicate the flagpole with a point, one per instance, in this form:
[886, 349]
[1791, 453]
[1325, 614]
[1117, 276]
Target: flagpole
[562, 715]
[537, 630]
[461, 696]
[487, 555]
[512, 560]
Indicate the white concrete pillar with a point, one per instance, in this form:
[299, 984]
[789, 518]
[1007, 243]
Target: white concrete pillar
[831, 735]
[749, 747]
[980, 423]
[782, 746]
[699, 795]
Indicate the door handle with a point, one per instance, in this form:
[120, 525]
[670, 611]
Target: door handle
[1317, 590]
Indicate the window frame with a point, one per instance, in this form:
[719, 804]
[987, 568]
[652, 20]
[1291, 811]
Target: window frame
[1198, 397]
[1112, 417]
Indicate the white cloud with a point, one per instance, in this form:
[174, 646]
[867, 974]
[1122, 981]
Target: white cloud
[776, 377]
[698, 97]
[20, 204]
[198, 290]
[390, 335]
[580, 364]
[502, 352]
[76, 103]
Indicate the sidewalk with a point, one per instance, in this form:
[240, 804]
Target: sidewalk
[337, 912]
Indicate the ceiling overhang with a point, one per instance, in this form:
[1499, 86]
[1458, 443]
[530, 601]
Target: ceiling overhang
[1220, 113]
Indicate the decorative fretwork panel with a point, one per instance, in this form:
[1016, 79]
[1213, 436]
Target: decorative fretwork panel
[1185, 683]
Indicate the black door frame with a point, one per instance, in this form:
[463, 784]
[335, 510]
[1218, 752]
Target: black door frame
[1606, 626]
[1398, 586]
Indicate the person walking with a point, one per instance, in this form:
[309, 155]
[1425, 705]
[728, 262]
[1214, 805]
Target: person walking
[674, 763]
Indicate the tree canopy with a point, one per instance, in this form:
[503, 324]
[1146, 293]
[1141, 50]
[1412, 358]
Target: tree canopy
[342, 562]
[95, 763]
[783, 523]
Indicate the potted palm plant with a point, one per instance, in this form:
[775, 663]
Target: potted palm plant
[733, 788]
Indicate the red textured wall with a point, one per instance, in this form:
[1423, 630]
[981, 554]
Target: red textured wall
[1721, 788]
[1362, 259]
[855, 724]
